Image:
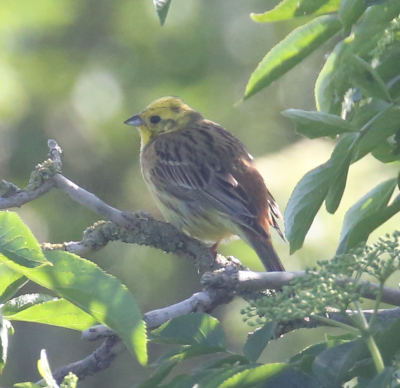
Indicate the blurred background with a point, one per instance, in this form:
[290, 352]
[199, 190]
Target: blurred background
[74, 71]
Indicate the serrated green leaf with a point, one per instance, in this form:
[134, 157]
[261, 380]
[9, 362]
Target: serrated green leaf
[162, 7]
[310, 192]
[364, 77]
[56, 312]
[288, 9]
[218, 377]
[22, 302]
[85, 285]
[254, 377]
[10, 282]
[18, 243]
[318, 124]
[371, 203]
[257, 342]
[350, 11]
[191, 329]
[298, 45]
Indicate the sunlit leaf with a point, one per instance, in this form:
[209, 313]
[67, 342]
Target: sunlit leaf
[11, 282]
[45, 370]
[288, 9]
[298, 45]
[4, 332]
[254, 376]
[47, 310]
[18, 242]
[92, 290]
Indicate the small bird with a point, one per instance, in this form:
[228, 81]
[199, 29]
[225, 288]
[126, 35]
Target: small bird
[204, 180]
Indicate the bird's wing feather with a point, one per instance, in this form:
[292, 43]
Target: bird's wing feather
[193, 168]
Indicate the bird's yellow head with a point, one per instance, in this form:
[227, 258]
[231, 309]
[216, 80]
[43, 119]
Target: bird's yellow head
[164, 115]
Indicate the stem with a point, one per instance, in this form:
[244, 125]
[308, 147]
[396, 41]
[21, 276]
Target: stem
[341, 325]
[369, 339]
[376, 305]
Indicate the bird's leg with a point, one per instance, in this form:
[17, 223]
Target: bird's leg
[213, 248]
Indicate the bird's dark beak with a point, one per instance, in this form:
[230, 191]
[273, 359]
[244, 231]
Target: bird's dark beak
[134, 120]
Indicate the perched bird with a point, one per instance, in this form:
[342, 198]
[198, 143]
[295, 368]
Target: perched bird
[203, 179]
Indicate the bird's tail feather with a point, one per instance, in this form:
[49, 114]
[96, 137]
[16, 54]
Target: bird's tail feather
[265, 252]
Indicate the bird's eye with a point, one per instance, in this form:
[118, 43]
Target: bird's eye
[155, 119]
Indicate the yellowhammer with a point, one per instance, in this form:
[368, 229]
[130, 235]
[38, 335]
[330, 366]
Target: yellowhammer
[203, 179]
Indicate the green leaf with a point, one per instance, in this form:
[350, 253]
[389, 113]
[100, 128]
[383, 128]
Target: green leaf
[157, 377]
[367, 79]
[338, 184]
[372, 28]
[254, 377]
[386, 152]
[384, 379]
[298, 45]
[192, 329]
[23, 302]
[388, 341]
[318, 124]
[4, 331]
[212, 378]
[383, 125]
[368, 224]
[330, 367]
[234, 359]
[288, 9]
[187, 351]
[10, 282]
[310, 192]
[45, 370]
[257, 342]
[350, 11]
[162, 7]
[306, 357]
[95, 292]
[332, 81]
[53, 311]
[18, 243]
[369, 205]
